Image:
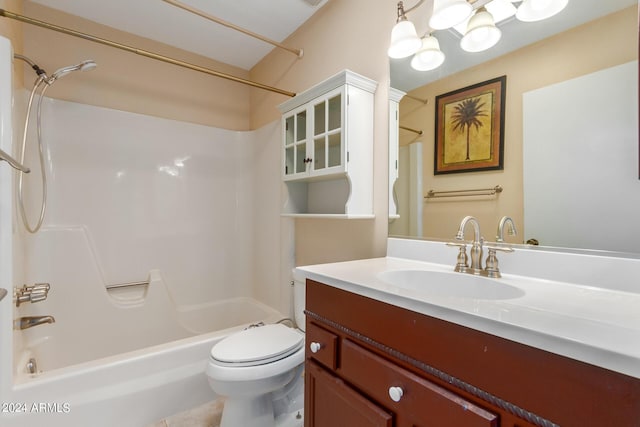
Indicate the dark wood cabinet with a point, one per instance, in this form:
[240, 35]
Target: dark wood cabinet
[336, 404]
[414, 400]
[369, 363]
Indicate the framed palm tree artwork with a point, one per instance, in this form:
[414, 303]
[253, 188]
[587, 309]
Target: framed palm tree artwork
[469, 131]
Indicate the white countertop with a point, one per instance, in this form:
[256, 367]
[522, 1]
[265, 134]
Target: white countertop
[595, 325]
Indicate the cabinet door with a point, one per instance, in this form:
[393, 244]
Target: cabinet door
[415, 400]
[327, 149]
[296, 134]
[329, 402]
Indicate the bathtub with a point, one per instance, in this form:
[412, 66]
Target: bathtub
[123, 388]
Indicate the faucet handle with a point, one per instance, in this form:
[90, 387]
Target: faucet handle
[34, 293]
[38, 296]
[41, 287]
[491, 264]
[499, 248]
[462, 264]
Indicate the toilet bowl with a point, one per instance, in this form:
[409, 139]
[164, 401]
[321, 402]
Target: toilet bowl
[260, 372]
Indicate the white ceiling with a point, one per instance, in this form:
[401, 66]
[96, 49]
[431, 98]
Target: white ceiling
[160, 21]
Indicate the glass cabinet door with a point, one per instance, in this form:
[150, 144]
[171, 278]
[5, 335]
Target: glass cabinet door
[295, 144]
[289, 138]
[327, 132]
[301, 142]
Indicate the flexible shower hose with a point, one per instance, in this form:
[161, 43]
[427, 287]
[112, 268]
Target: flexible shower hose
[39, 81]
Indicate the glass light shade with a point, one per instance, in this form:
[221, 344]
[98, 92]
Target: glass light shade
[404, 40]
[501, 9]
[481, 34]
[537, 10]
[448, 13]
[429, 57]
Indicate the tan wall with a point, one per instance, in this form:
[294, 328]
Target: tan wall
[348, 34]
[130, 82]
[577, 52]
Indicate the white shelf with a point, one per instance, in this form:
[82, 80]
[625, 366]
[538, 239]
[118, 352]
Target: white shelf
[328, 216]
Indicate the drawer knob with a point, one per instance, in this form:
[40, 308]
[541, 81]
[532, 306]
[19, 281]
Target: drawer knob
[395, 393]
[315, 347]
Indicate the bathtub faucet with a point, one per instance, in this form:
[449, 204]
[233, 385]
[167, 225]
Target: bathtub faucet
[31, 321]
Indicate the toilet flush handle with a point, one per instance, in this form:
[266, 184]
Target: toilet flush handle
[315, 347]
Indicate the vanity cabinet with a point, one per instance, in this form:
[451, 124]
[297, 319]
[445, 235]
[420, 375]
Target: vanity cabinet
[369, 363]
[327, 148]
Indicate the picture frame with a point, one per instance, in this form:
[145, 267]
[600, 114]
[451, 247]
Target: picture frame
[469, 128]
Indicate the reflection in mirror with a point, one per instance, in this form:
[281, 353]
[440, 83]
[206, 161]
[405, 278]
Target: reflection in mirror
[570, 175]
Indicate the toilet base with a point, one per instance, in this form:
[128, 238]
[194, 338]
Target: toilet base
[257, 413]
[261, 410]
[248, 412]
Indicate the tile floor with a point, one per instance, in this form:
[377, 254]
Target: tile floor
[207, 415]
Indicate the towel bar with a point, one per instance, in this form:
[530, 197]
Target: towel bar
[126, 285]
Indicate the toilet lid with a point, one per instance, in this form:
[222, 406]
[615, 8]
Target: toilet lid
[257, 346]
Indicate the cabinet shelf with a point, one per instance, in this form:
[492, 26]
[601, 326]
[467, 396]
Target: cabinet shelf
[328, 216]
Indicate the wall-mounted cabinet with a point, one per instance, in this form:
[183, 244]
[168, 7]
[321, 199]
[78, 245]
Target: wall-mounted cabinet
[395, 96]
[327, 150]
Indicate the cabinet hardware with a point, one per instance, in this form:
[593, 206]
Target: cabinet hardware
[395, 393]
[315, 347]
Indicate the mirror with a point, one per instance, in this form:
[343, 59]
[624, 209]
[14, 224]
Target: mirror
[571, 163]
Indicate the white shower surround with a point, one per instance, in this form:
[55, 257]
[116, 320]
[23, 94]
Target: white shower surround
[133, 197]
[151, 194]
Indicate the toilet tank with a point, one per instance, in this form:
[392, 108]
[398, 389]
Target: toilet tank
[299, 299]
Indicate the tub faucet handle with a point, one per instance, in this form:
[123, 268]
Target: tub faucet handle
[34, 293]
[38, 296]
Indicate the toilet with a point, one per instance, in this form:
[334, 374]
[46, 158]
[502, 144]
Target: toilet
[260, 372]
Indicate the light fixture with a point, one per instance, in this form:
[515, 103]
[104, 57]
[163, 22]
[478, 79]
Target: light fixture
[448, 13]
[478, 29]
[482, 32]
[429, 56]
[404, 39]
[537, 10]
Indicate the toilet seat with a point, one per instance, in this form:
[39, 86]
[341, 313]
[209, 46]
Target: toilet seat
[257, 346]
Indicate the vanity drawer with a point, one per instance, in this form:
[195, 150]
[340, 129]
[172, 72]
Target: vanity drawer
[418, 400]
[322, 345]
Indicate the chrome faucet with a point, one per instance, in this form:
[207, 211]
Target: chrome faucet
[476, 246]
[505, 221]
[31, 321]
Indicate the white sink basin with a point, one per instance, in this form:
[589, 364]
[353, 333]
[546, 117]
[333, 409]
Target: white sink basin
[451, 284]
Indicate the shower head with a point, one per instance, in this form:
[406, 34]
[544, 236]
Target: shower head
[87, 65]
